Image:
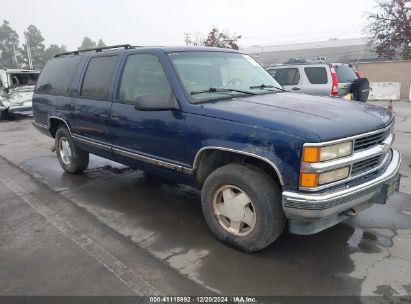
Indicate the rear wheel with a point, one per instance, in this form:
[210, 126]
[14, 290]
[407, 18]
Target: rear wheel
[242, 206]
[71, 158]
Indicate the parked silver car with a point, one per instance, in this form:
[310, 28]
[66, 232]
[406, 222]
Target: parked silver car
[336, 79]
[16, 90]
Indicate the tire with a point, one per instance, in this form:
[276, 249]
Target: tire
[4, 114]
[265, 197]
[360, 89]
[78, 161]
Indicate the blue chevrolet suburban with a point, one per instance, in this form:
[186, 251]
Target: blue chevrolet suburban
[265, 159]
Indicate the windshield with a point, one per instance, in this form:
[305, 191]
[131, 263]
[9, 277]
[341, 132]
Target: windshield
[23, 79]
[213, 75]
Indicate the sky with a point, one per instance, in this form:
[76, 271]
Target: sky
[162, 22]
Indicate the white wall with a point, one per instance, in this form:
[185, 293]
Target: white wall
[385, 91]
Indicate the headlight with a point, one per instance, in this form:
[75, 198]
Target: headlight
[318, 154]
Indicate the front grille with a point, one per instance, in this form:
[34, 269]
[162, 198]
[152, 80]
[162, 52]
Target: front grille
[370, 140]
[365, 165]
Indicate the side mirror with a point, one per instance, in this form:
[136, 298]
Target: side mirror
[155, 103]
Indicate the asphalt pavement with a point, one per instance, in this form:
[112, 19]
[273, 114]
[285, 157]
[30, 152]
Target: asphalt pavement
[116, 231]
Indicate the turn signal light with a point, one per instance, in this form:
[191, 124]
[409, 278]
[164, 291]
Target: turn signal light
[311, 154]
[308, 179]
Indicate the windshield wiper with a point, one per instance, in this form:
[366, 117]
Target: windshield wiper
[267, 86]
[221, 90]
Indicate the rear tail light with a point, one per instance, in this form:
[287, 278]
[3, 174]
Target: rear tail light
[334, 88]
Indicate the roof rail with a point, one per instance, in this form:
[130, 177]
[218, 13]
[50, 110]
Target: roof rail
[97, 50]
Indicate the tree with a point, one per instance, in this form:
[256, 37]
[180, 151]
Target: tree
[406, 53]
[222, 39]
[215, 38]
[53, 50]
[9, 45]
[87, 44]
[34, 40]
[389, 28]
[101, 43]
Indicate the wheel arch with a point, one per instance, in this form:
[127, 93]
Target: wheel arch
[54, 122]
[210, 158]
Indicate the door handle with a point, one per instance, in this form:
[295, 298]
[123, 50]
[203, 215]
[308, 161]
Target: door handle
[295, 89]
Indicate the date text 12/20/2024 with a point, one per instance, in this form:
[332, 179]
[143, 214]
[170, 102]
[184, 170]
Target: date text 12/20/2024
[203, 299]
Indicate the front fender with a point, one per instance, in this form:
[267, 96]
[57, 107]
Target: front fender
[280, 150]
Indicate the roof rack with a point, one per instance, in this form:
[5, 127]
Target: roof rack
[97, 50]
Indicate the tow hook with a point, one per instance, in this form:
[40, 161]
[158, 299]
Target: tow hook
[53, 148]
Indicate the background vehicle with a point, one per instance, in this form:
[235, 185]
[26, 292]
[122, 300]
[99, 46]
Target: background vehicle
[16, 90]
[215, 119]
[335, 79]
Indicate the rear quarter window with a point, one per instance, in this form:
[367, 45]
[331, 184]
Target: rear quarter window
[316, 75]
[57, 76]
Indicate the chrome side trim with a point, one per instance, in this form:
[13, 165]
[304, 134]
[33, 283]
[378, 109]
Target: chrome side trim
[196, 158]
[188, 171]
[326, 143]
[41, 125]
[59, 118]
[147, 159]
[120, 151]
[347, 161]
[96, 143]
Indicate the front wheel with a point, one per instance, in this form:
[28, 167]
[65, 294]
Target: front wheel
[242, 206]
[71, 158]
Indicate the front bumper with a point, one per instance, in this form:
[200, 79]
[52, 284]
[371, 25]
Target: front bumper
[312, 212]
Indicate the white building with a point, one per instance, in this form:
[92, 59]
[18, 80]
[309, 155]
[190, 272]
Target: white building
[334, 50]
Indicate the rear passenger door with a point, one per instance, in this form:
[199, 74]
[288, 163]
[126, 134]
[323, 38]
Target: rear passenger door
[91, 111]
[289, 78]
[318, 81]
[145, 136]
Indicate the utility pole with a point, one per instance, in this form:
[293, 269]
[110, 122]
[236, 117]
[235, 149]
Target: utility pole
[28, 50]
[15, 56]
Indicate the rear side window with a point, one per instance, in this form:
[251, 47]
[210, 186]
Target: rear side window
[345, 73]
[316, 75]
[57, 75]
[289, 76]
[143, 75]
[97, 80]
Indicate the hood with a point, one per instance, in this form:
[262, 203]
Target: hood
[323, 118]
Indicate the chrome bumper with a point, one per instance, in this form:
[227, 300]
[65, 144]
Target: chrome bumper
[311, 206]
